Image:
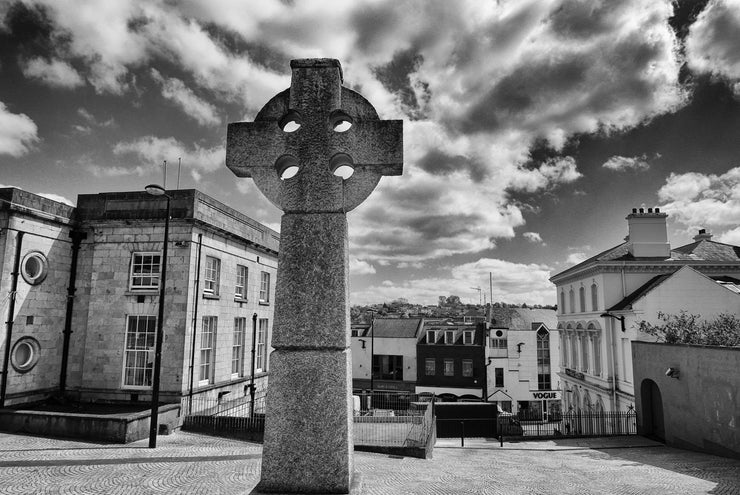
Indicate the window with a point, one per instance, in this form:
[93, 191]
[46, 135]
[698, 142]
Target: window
[497, 343]
[261, 350]
[543, 360]
[430, 367]
[355, 332]
[34, 267]
[237, 347]
[572, 301]
[573, 351]
[387, 367]
[25, 354]
[582, 299]
[498, 377]
[207, 349]
[584, 352]
[594, 297]
[138, 362]
[264, 287]
[449, 367]
[242, 277]
[431, 336]
[562, 302]
[145, 269]
[597, 355]
[210, 280]
[467, 367]
[468, 337]
[449, 337]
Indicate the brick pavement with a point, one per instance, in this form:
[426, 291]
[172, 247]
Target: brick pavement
[190, 463]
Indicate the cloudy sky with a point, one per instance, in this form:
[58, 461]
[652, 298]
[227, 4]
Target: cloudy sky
[532, 127]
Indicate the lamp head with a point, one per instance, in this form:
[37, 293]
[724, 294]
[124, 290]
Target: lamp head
[155, 190]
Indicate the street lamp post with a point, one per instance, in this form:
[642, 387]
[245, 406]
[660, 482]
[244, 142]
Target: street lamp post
[251, 381]
[372, 351]
[620, 318]
[156, 190]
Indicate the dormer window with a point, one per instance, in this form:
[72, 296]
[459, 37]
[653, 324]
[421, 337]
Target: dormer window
[449, 337]
[468, 337]
[431, 336]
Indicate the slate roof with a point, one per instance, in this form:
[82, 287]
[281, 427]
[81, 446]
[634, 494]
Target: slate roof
[403, 328]
[701, 250]
[523, 319]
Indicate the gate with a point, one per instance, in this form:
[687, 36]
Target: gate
[465, 419]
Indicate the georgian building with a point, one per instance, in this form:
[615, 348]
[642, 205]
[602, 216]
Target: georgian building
[82, 309]
[602, 300]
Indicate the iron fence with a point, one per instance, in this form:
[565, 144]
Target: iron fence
[238, 417]
[390, 419]
[574, 423]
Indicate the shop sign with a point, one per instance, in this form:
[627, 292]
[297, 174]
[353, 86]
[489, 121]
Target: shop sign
[545, 395]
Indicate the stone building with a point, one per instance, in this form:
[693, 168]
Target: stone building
[602, 300]
[85, 306]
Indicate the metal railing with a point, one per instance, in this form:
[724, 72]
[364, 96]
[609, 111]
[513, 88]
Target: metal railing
[574, 423]
[391, 419]
[231, 417]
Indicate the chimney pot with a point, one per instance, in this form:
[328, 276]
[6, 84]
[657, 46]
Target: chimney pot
[702, 231]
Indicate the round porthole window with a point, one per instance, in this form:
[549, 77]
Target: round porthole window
[25, 354]
[34, 267]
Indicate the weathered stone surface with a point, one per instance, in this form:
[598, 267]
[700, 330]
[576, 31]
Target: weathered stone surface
[308, 433]
[312, 290]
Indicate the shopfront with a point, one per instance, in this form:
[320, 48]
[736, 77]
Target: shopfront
[541, 406]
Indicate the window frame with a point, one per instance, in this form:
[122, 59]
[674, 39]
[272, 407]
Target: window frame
[212, 276]
[498, 378]
[206, 367]
[243, 295]
[264, 297]
[133, 264]
[434, 336]
[449, 367]
[237, 347]
[260, 357]
[430, 370]
[138, 351]
[468, 334]
[467, 368]
[450, 341]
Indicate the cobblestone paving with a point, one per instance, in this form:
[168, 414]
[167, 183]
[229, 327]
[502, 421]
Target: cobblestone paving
[190, 463]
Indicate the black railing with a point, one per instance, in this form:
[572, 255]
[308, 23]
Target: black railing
[573, 423]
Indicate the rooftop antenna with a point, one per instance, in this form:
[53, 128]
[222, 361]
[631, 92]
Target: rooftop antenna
[164, 182]
[179, 163]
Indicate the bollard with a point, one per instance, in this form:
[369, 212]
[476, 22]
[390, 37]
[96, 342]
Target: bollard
[462, 433]
[501, 438]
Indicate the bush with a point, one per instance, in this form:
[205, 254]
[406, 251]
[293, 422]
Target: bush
[686, 328]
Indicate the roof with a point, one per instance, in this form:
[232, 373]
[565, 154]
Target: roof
[701, 250]
[641, 291]
[399, 328]
[523, 318]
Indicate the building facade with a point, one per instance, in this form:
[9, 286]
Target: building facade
[602, 300]
[451, 360]
[92, 319]
[523, 362]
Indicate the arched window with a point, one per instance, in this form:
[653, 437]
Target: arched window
[596, 343]
[572, 301]
[543, 360]
[594, 297]
[562, 302]
[582, 299]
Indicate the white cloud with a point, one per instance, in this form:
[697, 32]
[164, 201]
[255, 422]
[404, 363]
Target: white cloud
[549, 174]
[115, 171]
[730, 237]
[533, 237]
[575, 258]
[621, 163]
[175, 90]
[714, 38]
[55, 73]
[511, 282]
[360, 267]
[153, 151]
[18, 133]
[699, 200]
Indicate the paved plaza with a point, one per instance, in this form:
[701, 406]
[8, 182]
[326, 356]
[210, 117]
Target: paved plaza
[191, 463]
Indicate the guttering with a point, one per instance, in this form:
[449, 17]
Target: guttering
[195, 322]
[77, 238]
[11, 315]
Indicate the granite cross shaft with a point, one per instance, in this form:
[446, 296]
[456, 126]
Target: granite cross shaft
[292, 150]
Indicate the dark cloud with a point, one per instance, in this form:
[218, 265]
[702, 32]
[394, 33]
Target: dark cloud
[578, 19]
[435, 227]
[437, 162]
[30, 29]
[395, 77]
[374, 25]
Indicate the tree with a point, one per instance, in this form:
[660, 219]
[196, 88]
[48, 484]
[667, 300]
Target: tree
[686, 328]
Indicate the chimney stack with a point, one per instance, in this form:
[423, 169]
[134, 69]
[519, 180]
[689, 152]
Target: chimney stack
[703, 235]
[648, 235]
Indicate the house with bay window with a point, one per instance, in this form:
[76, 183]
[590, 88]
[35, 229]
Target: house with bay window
[84, 318]
[602, 300]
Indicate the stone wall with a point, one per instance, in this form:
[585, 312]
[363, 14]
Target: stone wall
[701, 406]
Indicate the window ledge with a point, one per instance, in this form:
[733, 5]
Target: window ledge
[211, 296]
[142, 292]
[264, 303]
[240, 299]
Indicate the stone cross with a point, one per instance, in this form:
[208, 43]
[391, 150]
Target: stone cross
[300, 140]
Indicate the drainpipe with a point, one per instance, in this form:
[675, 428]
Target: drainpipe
[11, 315]
[77, 238]
[614, 373]
[251, 382]
[195, 322]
